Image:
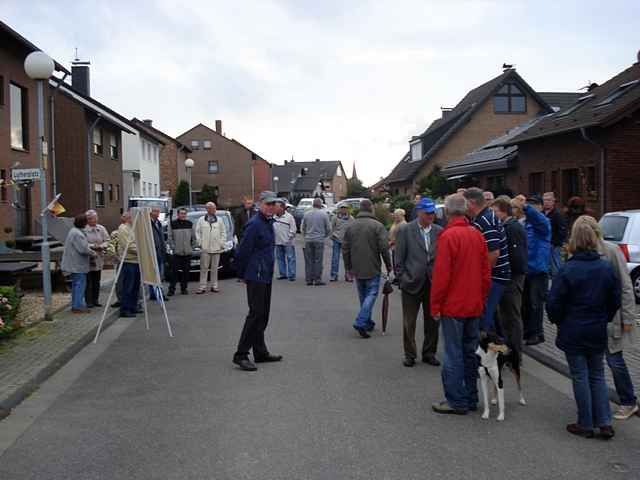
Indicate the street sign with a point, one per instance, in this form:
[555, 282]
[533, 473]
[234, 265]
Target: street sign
[25, 174]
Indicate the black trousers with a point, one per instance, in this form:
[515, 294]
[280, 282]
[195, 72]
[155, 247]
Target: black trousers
[92, 292]
[180, 268]
[252, 336]
[533, 298]
[410, 308]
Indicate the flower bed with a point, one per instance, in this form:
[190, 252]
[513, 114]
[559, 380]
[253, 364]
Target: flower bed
[9, 304]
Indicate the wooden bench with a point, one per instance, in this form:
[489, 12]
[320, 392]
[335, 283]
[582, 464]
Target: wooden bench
[11, 273]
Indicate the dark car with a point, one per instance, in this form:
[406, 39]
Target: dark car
[226, 267]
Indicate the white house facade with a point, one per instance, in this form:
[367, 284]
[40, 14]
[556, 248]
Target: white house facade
[140, 165]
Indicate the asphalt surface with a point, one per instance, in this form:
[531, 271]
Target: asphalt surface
[337, 407]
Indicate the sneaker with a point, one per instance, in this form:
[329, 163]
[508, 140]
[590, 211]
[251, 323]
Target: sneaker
[625, 411]
[576, 429]
[200, 291]
[445, 408]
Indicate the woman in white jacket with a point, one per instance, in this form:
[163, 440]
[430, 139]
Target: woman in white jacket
[211, 236]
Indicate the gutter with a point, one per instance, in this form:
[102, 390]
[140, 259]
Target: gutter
[52, 131]
[603, 169]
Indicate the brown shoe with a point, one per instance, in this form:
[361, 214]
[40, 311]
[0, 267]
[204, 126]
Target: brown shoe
[576, 429]
[79, 310]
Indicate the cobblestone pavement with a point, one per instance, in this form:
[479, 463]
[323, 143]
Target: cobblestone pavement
[39, 350]
[549, 354]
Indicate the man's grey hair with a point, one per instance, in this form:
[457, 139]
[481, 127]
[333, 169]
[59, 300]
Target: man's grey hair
[366, 205]
[455, 205]
[91, 213]
[317, 202]
[210, 204]
[476, 196]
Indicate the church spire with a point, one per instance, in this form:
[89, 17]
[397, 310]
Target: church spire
[354, 175]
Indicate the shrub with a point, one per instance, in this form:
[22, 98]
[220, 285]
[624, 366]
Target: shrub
[182, 194]
[383, 214]
[9, 303]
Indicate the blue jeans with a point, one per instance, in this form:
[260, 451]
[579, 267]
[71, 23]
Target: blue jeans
[459, 362]
[367, 292]
[554, 261]
[286, 255]
[621, 379]
[495, 294]
[153, 289]
[78, 287]
[335, 258]
[590, 390]
[130, 287]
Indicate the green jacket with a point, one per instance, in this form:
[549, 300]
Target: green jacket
[365, 246]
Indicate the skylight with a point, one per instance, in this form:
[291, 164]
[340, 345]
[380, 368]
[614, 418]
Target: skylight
[617, 93]
[575, 106]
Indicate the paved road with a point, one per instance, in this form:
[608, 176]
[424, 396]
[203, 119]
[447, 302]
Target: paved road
[338, 407]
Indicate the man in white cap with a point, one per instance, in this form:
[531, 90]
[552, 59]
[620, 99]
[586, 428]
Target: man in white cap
[285, 229]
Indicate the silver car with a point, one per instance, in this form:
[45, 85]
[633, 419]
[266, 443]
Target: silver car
[623, 228]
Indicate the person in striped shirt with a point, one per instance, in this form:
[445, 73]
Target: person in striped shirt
[485, 220]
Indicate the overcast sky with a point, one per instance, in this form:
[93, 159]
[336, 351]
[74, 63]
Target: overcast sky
[347, 80]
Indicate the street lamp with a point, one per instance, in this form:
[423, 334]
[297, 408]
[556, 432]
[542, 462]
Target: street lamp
[275, 184]
[188, 164]
[39, 67]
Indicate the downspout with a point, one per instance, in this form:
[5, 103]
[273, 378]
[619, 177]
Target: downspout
[52, 135]
[90, 159]
[603, 159]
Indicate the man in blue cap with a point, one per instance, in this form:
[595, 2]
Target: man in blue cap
[415, 255]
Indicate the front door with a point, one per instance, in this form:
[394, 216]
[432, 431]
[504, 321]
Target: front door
[23, 210]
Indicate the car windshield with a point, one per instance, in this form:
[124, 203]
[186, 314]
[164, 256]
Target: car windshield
[613, 227]
[226, 218]
[305, 203]
[138, 202]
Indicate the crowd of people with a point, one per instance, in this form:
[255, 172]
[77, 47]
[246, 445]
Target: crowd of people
[484, 270]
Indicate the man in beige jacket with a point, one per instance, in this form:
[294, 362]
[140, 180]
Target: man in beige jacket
[211, 236]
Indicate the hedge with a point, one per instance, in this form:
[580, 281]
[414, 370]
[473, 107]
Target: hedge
[9, 304]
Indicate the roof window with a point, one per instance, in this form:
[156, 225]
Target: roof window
[581, 101]
[617, 93]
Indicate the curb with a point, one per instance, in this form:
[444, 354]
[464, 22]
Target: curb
[561, 368]
[26, 389]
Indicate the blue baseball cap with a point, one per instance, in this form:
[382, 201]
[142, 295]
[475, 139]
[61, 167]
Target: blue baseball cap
[426, 205]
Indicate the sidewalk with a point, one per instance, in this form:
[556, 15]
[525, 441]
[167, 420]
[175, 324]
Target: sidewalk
[548, 354]
[39, 351]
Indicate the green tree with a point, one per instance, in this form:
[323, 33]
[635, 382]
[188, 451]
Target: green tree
[208, 193]
[355, 189]
[182, 194]
[435, 185]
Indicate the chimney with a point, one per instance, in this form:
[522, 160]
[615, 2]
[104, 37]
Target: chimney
[219, 126]
[148, 122]
[317, 159]
[80, 80]
[446, 112]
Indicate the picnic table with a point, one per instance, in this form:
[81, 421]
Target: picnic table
[10, 273]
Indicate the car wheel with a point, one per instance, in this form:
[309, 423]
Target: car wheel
[635, 280]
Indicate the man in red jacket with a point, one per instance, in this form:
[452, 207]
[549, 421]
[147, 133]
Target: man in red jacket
[461, 282]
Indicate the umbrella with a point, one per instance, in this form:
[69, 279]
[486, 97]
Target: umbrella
[386, 290]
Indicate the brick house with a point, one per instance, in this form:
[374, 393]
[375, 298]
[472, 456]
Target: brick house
[89, 156]
[484, 113]
[235, 170]
[20, 202]
[591, 149]
[302, 179]
[172, 157]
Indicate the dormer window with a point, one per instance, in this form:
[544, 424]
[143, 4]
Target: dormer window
[416, 151]
[510, 99]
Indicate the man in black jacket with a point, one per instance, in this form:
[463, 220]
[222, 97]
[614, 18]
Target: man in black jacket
[247, 212]
[558, 231]
[510, 306]
[161, 249]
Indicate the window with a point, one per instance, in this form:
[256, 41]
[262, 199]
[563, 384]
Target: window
[617, 93]
[416, 151]
[509, 99]
[495, 183]
[339, 172]
[19, 117]
[195, 144]
[3, 187]
[206, 145]
[110, 193]
[97, 141]
[536, 183]
[581, 101]
[98, 189]
[570, 184]
[591, 180]
[212, 167]
[155, 189]
[613, 227]
[113, 146]
[117, 193]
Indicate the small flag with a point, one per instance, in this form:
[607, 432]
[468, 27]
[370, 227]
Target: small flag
[55, 208]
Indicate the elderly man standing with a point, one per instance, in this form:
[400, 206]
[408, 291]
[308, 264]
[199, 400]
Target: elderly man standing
[211, 236]
[254, 264]
[415, 253]
[364, 248]
[339, 225]
[558, 231]
[461, 282]
[485, 220]
[285, 229]
[98, 239]
[161, 250]
[315, 228]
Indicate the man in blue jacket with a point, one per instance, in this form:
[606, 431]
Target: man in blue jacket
[536, 282]
[254, 264]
